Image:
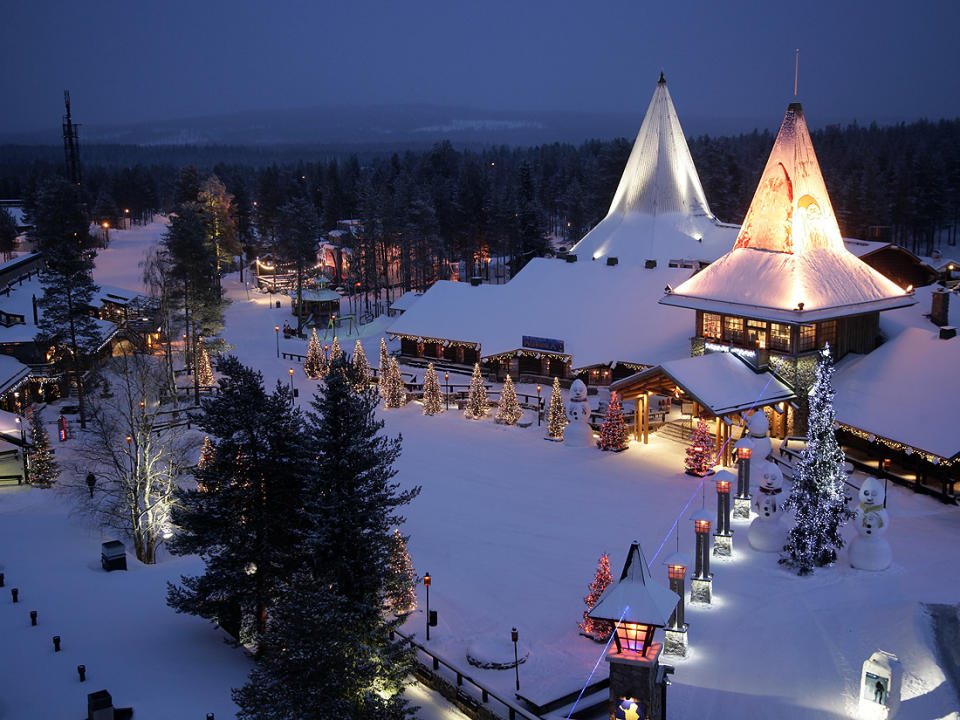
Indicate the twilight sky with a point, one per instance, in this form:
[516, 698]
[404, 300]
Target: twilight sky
[129, 61]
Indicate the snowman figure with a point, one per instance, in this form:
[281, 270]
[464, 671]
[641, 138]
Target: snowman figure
[870, 550]
[578, 432]
[766, 532]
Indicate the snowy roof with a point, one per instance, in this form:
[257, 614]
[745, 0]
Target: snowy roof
[896, 321]
[316, 295]
[659, 211]
[115, 295]
[636, 597]
[789, 262]
[12, 371]
[943, 262]
[406, 301]
[602, 313]
[860, 248]
[718, 381]
[872, 394]
[20, 302]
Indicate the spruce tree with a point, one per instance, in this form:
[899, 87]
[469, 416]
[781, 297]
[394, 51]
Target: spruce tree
[394, 393]
[299, 231]
[44, 470]
[360, 365]
[699, 460]
[477, 398]
[598, 630]
[402, 580]
[557, 415]
[817, 496]
[384, 357]
[204, 368]
[613, 435]
[432, 397]
[315, 364]
[246, 517]
[508, 409]
[336, 352]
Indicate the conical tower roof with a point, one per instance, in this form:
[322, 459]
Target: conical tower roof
[659, 211]
[636, 597]
[789, 262]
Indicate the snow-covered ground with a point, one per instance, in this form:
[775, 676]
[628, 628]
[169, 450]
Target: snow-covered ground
[510, 527]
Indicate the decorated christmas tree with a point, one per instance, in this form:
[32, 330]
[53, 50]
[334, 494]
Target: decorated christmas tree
[477, 399]
[360, 364]
[817, 496]
[401, 580]
[43, 468]
[432, 397]
[394, 394]
[336, 351]
[384, 365]
[699, 460]
[598, 630]
[557, 416]
[508, 410]
[204, 369]
[613, 435]
[315, 366]
[206, 454]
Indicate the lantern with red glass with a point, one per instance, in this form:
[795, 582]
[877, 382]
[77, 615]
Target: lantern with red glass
[743, 472]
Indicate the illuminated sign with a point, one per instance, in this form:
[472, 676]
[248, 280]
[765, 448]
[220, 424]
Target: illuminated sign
[539, 343]
[750, 355]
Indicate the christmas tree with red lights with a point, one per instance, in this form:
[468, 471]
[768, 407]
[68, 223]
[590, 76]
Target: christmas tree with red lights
[613, 434]
[699, 460]
[598, 630]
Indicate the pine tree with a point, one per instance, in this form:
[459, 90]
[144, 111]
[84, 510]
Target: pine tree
[477, 398]
[699, 460]
[336, 352]
[432, 397]
[598, 630]
[8, 234]
[384, 358]
[613, 435]
[402, 580]
[394, 393]
[44, 470]
[360, 365]
[247, 521]
[508, 409]
[204, 369]
[557, 416]
[817, 496]
[315, 364]
[206, 454]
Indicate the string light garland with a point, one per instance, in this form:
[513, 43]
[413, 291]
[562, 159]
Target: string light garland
[384, 367]
[894, 445]
[204, 369]
[360, 365]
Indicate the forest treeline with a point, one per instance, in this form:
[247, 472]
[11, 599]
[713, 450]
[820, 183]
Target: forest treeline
[427, 208]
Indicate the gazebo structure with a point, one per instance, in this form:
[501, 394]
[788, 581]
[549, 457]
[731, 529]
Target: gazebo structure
[789, 286]
[319, 304]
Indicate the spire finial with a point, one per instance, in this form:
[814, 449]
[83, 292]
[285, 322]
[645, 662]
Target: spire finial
[662, 80]
[796, 72]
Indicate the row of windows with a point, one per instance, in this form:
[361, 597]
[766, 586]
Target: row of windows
[761, 334]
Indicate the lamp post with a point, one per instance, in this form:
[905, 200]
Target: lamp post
[426, 583]
[514, 635]
[723, 537]
[701, 584]
[675, 634]
[276, 331]
[539, 406]
[130, 454]
[741, 503]
[291, 384]
[446, 380]
[106, 233]
[23, 446]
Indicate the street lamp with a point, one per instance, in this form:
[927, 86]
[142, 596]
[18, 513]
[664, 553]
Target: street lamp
[130, 454]
[514, 635]
[446, 379]
[276, 330]
[291, 383]
[426, 583]
[539, 406]
[23, 446]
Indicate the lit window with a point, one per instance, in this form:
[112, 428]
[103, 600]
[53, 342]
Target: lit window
[733, 330]
[711, 326]
[779, 336]
[828, 333]
[807, 338]
[757, 333]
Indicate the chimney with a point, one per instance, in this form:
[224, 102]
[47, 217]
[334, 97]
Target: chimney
[940, 307]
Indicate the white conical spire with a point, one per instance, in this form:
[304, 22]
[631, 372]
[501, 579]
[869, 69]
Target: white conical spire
[636, 597]
[660, 176]
[659, 211]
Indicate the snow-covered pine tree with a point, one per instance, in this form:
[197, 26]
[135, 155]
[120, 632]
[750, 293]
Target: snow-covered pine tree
[598, 630]
[432, 397]
[613, 434]
[44, 470]
[394, 393]
[204, 369]
[360, 364]
[336, 352]
[477, 398]
[315, 364]
[401, 590]
[699, 460]
[384, 364]
[557, 415]
[508, 409]
[817, 496]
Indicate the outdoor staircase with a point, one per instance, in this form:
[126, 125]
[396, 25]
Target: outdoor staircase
[676, 430]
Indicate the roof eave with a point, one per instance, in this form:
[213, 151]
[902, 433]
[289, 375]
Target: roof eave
[761, 312]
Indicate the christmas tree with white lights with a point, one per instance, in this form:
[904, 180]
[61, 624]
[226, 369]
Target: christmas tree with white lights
[394, 394]
[817, 496]
[557, 415]
[699, 460]
[315, 366]
[432, 397]
[204, 369]
[477, 398]
[336, 352]
[360, 364]
[401, 580]
[44, 470]
[598, 630]
[384, 366]
[613, 434]
[508, 409]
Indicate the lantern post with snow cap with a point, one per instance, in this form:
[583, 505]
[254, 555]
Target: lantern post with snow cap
[675, 634]
[701, 584]
[637, 606]
[723, 537]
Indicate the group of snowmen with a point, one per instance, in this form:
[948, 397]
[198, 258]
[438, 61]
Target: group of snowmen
[868, 551]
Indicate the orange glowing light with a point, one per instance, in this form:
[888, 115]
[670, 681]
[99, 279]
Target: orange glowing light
[744, 453]
[634, 637]
[676, 572]
[702, 526]
[723, 486]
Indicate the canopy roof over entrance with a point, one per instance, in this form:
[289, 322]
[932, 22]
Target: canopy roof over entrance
[719, 382]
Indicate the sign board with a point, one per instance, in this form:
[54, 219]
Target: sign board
[539, 343]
